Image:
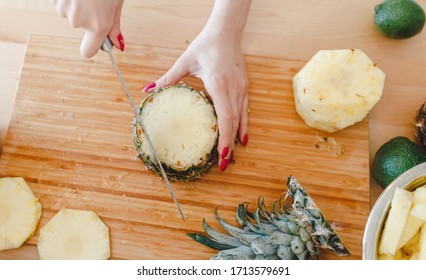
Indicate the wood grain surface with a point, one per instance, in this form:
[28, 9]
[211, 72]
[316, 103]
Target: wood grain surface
[70, 138]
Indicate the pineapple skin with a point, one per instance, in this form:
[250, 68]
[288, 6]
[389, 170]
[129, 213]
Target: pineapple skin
[337, 88]
[190, 174]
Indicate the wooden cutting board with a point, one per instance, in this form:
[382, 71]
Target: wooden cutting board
[70, 138]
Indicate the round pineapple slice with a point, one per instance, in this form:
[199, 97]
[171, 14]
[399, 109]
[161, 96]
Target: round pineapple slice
[337, 88]
[74, 235]
[20, 213]
[182, 125]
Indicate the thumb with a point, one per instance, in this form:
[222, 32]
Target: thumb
[115, 33]
[175, 74]
[92, 42]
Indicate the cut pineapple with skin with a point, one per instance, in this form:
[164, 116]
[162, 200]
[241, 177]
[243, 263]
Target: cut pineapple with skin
[182, 125]
[337, 88]
[20, 213]
[74, 235]
[400, 206]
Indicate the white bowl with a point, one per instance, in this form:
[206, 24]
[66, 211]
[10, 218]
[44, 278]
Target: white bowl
[409, 180]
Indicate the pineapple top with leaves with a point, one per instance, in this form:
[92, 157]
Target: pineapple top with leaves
[294, 229]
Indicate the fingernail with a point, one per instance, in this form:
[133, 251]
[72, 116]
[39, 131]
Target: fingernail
[225, 152]
[149, 86]
[223, 165]
[231, 158]
[120, 39]
[245, 139]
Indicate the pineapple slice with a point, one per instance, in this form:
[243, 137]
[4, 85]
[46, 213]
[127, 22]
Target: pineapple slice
[74, 235]
[337, 88]
[395, 222]
[21, 182]
[20, 213]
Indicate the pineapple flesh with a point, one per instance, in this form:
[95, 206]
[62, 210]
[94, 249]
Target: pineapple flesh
[74, 235]
[337, 88]
[20, 212]
[394, 226]
[182, 125]
[294, 229]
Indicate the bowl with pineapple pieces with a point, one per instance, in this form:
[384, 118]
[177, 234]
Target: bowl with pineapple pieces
[396, 228]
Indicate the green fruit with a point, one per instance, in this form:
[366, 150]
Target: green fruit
[399, 19]
[394, 158]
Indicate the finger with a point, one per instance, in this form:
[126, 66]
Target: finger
[225, 116]
[92, 42]
[174, 75]
[243, 128]
[61, 7]
[235, 101]
[115, 35]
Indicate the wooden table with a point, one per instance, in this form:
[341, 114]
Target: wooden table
[282, 29]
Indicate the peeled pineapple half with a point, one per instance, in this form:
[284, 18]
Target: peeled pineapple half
[182, 125]
[337, 88]
[74, 235]
[20, 212]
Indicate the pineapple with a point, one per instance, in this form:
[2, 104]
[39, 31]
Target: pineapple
[182, 125]
[394, 226]
[295, 230]
[20, 213]
[422, 243]
[416, 216]
[74, 235]
[421, 126]
[337, 88]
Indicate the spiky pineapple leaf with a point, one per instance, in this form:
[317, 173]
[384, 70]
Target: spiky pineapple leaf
[209, 242]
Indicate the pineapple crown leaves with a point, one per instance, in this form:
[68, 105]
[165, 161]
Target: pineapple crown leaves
[295, 230]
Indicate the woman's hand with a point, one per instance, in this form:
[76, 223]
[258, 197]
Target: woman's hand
[215, 57]
[99, 18]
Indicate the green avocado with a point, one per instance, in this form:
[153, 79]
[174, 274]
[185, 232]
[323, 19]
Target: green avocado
[399, 19]
[394, 158]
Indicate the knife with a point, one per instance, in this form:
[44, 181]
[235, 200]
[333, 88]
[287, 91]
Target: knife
[107, 47]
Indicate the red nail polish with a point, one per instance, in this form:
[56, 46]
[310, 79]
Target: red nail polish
[120, 39]
[225, 152]
[231, 158]
[245, 139]
[224, 165]
[149, 86]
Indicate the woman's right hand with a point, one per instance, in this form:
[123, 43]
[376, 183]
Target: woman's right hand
[99, 18]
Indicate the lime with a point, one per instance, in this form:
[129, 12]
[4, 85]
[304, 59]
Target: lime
[399, 19]
[394, 158]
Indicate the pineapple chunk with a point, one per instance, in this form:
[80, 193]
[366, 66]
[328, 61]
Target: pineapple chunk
[411, 228]
[422, 243]
[385, 257]
[395, 222]
[419, 204]
[20, 213]
[337, 88]
[74, 235]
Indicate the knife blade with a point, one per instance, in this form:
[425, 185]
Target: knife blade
[107, 47]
